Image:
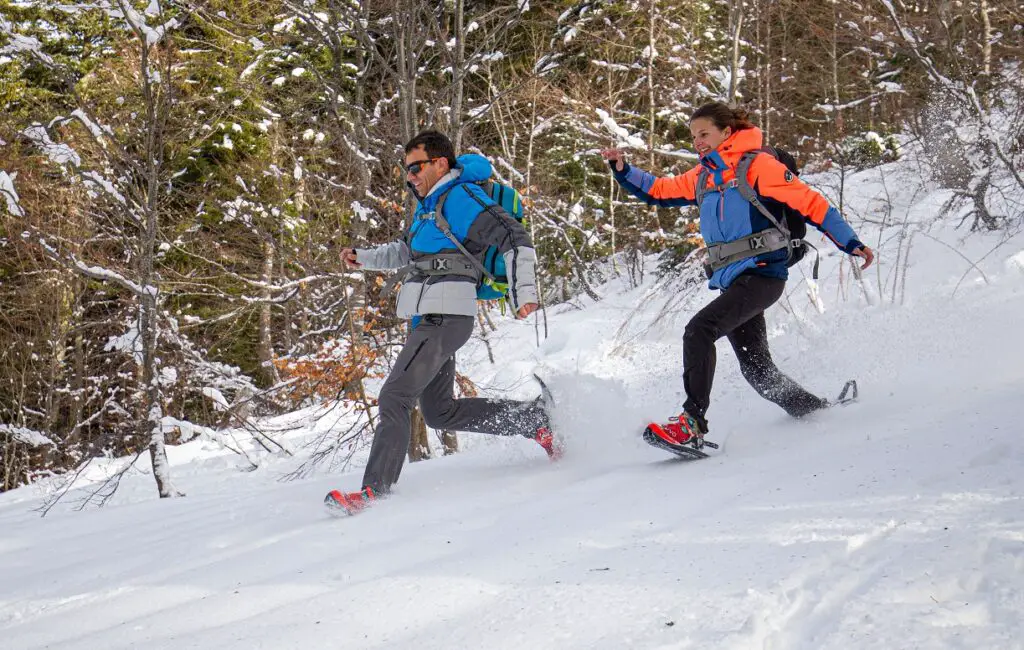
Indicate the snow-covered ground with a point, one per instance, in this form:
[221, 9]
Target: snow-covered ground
[896, 522]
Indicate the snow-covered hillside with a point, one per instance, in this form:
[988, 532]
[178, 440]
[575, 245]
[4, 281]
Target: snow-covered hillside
[895, 522]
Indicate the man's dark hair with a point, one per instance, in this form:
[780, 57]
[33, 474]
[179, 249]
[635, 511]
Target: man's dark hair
[435, 143]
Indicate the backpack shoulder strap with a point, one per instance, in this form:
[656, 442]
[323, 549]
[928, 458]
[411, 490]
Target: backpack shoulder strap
[748, 193]
[701, 188]
[445, 227]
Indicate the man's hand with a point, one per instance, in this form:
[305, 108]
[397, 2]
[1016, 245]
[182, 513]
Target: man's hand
[527, 309]
[618, 155]
[867, 254]
[348, 258]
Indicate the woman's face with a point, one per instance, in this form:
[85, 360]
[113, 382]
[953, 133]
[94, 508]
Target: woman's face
[707, 136]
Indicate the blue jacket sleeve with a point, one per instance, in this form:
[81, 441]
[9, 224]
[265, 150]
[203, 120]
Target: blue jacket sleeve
[663, 192]
[840, 232]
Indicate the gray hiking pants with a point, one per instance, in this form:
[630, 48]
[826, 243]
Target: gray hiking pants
[425, 370]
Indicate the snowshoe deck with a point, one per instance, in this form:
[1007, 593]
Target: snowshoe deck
[686, 452]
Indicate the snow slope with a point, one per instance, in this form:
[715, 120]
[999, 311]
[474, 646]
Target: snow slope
[896, 522]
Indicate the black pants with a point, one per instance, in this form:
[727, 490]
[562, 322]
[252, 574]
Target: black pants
[739, 315]
[425, 371]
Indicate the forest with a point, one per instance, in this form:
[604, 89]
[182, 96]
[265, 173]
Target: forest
[178, 178]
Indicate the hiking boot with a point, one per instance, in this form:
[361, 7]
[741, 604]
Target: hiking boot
[552, 445]
[350, 502]
[681, 430]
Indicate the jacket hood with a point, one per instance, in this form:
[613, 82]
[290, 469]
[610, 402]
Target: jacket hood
[723, 160]
[475, 168]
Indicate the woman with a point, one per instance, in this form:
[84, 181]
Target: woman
[749, 258]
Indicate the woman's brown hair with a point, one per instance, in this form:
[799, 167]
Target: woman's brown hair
[722, 115]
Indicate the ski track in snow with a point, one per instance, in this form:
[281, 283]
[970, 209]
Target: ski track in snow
[893, 522]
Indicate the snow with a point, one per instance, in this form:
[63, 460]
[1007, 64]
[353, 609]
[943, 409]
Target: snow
[60, 154]
[21, 43]
[95, 179]
[622, 135]
[10, 194]
[25, 436]
[252, 66]
[894, 522]
[130, 342]
[362, 212]
[152, 35]
[94, 128]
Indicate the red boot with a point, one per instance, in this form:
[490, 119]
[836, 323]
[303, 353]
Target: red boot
[680, 431]
[552, 445]
[350, 502]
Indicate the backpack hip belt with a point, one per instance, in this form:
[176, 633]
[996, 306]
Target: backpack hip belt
[759, 243]
[444, 264]
[430, 265]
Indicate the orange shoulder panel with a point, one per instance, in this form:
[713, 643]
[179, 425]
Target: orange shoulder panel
[774, 181]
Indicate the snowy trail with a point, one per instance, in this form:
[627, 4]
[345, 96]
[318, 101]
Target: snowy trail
[897, 521]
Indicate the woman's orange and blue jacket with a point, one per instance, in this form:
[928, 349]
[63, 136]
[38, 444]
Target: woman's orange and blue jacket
[726, 216]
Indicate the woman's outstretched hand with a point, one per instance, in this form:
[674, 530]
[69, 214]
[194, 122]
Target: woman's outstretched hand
[618, 155]
[867, 254]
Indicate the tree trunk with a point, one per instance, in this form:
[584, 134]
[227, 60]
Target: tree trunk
[533, 226]
[449, 442]
[268, 372]
[986, 52]
[766, 121]
[419, 444]
[735, 27]
[458, 74]
[157, 105]
[834, 55]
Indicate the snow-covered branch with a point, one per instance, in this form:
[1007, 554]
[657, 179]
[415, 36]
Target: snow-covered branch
[94, 272]
[10, 194]
[148, 34]
[25, 436]
[19, 43]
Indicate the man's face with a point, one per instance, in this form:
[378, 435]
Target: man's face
[425, 171]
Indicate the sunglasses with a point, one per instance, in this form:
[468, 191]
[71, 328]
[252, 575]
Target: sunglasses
[415, 168]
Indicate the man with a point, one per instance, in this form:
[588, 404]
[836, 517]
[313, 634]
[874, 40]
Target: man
[439, 295]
